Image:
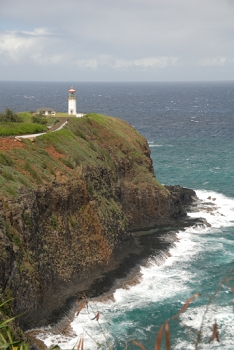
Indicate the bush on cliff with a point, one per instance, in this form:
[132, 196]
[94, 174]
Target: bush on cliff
[10, 339]
[10, 117]
[38, 119]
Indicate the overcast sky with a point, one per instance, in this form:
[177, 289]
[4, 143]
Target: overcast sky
[117, 40]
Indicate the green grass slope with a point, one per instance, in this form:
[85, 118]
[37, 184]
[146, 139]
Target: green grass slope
[91, 141]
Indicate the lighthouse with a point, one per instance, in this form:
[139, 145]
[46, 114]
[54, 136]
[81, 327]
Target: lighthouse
[72, 101]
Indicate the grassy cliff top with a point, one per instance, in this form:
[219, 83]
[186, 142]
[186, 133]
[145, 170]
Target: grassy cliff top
[92, 141]
[22, 123]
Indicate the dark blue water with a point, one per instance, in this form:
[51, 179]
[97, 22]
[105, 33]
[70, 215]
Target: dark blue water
[189, 127]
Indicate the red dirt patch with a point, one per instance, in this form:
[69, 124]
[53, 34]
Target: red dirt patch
[10, 142]
[53, 153]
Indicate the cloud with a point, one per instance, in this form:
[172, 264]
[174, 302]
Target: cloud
[14, 47]
[98, 62]
[48, 59]
[216, 61]
[152, 62]
[90, 63]
[117, 36]
[32, 45]
[107, 62]
[37, 32]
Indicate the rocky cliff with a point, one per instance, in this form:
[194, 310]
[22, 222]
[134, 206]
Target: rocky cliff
[68, 202]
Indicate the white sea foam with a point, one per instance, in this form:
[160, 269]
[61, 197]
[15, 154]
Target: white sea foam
[201, 319]
[152, 289]
[222, 213]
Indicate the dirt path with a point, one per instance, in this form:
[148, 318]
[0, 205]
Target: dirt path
[9, 142]
[62, 120]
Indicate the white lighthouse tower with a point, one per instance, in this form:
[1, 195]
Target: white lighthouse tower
[72, 101]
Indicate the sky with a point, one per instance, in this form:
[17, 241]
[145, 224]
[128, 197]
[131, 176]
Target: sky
[117, 40]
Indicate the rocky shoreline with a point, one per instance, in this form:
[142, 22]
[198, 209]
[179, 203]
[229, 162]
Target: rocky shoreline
[71, 207]
[123, 269]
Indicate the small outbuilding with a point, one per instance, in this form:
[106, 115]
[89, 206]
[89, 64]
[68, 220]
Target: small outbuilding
[46, 111]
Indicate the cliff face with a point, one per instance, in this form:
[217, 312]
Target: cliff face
[68, 201]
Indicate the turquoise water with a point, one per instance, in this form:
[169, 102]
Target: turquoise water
[204, 163]
[190, 129]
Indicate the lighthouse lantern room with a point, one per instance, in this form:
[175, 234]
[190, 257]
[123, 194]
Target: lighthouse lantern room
[72, 101]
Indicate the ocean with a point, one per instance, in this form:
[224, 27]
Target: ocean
[189, 128]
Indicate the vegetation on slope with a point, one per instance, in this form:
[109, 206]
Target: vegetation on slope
[68, 200]
[87, 141]
[11, 336]
[10, 116]
[21, 123]
[11, 129]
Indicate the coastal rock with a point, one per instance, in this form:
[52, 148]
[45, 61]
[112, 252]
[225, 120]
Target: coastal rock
[72, 207]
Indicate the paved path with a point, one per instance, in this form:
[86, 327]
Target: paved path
[58, 126]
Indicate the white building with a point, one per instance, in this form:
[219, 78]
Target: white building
[46, 111]
[72, 101]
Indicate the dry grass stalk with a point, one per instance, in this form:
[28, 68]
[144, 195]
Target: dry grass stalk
[187, 304]
[80, 345]
[215, 334]
[233, 300]
[80, 298]
[167, 332]
[138, 344]
[166, 326]
[159, 338]
[97, 316]
[225, 281]
[81, 306]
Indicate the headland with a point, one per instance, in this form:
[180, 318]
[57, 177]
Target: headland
[71, 208]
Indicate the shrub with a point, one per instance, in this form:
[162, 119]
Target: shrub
[38, 119]
[10, 117]
[8, 339]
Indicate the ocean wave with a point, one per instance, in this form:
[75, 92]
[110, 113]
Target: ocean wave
[216, 208]
[155, 145]
[121, 315]
[201, 317]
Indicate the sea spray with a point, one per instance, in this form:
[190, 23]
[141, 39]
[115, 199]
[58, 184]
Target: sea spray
[137, 312]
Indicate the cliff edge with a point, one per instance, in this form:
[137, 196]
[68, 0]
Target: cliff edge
[68, 202]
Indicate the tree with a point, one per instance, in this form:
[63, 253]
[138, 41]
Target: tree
[10, 117]
[39, 119]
